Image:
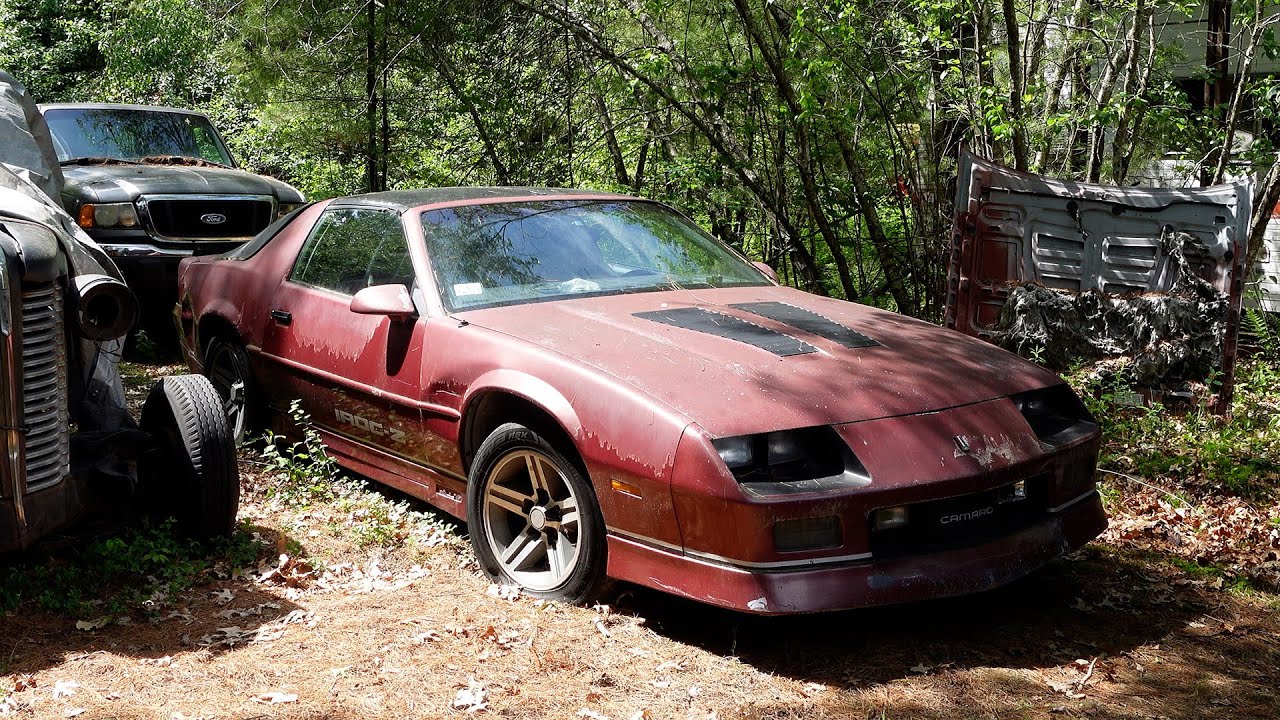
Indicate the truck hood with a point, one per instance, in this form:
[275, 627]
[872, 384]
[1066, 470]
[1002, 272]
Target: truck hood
[684, 348]
[124, 183]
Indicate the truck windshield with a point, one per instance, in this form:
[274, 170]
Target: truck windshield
[133, 134]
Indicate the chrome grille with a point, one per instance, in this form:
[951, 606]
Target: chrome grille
[44, 386]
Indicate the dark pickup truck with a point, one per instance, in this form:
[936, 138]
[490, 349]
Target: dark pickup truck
[153, 185]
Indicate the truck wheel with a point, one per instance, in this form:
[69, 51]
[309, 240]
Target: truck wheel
[227, 366]
[190, 474]
[533, 518]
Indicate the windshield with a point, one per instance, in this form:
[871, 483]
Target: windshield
[502, 254]
[126, 134]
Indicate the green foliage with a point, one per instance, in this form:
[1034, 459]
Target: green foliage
[303, 472]
[819, 136]
[140, 569]
[1265, 327]
[51, 46]
[303, 476]
[1238, 454]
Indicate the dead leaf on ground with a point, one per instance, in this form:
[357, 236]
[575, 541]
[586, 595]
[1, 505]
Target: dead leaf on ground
[274, 698]
[94, 624]
[472, 698]
[65, 688]
[510, 593]
[24, 682]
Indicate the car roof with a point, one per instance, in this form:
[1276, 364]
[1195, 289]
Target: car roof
[402, 200]
[116, 106]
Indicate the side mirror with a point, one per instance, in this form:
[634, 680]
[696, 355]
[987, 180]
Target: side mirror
[390, 300]
[768, 271]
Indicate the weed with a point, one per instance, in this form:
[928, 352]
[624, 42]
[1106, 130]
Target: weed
[303, 471]
[1238, 454]
[137, 570]
[305, 476]
[1194, 569]
[1264, 326]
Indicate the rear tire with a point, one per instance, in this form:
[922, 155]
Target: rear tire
[533, 518]
[190, 474]
[226, 364]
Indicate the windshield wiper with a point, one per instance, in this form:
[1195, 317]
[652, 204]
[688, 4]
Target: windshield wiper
[98, 161]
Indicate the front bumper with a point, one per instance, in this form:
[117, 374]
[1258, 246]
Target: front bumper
[860, 583]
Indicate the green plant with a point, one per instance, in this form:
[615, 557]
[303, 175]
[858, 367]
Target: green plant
[303, 471]
[303, 475]
[139, 569]
[1266, 328]
[1237, 454]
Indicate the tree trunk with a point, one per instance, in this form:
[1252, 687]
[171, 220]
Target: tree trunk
[611, 139]
[1268, 194]
[1260, 27]
[445, 69]
[773, 60]
[371, 95]
[1097, 136]
[1135, 86]
[1015, 116]
[1217, 59]
[703, 117]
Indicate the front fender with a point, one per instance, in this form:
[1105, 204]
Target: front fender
[535, 390]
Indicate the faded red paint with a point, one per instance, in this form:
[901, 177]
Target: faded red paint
[641, 402]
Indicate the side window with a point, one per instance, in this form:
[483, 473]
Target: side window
[349, 250]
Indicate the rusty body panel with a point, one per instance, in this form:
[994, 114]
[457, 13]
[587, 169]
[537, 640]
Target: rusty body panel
[643, 384]
[1013, 228]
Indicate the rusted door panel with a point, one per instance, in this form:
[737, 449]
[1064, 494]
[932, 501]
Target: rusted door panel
[1012, 227]
[380, 360]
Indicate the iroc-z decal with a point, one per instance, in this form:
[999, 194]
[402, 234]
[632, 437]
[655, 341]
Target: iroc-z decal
[377, 428]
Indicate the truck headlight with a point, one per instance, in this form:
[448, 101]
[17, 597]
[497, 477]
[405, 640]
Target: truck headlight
[108, 215]
[286, 208]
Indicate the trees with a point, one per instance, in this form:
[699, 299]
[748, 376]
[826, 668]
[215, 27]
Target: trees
[819, 135]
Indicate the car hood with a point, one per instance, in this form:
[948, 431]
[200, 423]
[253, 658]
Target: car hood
[671, 345]
[124, 183]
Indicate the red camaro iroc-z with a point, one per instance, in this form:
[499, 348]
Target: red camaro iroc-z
[602, 390]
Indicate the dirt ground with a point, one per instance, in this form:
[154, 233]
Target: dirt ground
[1120, 630]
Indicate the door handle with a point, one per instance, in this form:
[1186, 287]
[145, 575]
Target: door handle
[284, 317]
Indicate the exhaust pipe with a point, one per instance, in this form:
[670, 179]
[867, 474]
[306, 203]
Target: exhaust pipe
[106, 308]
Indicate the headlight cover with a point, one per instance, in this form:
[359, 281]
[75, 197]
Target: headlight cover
[107, 215]
[285, 208]
[792, 461]
[1055, 414]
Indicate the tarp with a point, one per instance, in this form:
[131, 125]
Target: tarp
[26, 148]
[30, 183]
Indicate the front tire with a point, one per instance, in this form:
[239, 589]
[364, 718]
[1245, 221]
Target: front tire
[190, 473]
[533, 518]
